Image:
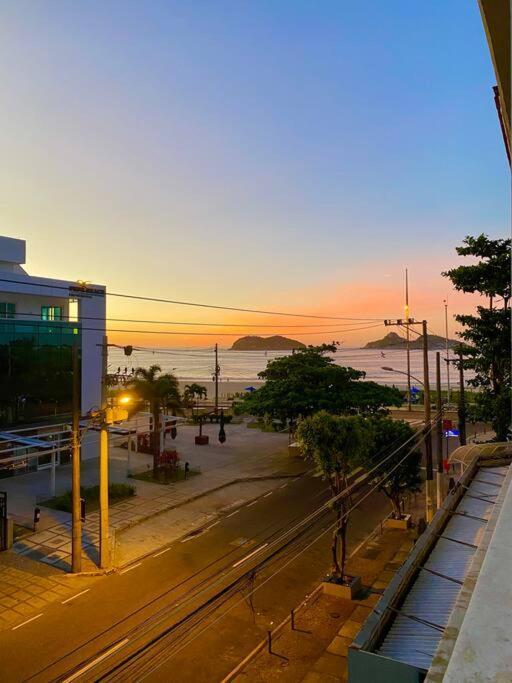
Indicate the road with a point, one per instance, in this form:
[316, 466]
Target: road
[190, 601]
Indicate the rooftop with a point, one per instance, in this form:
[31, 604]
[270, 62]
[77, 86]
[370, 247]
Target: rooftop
[449, 608]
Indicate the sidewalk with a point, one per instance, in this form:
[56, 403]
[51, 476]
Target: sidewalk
[27, 587]
[315, 651]
[248, 456]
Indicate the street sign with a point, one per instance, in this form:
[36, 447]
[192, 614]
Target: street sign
[447, 424]
[451, 432]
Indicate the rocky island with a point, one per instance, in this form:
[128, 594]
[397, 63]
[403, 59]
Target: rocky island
[275, 343]
[392, 340]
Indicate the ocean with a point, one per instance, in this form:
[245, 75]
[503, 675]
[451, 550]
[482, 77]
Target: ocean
[197, 364]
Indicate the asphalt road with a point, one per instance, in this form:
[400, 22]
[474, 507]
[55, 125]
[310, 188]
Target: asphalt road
[180, 590]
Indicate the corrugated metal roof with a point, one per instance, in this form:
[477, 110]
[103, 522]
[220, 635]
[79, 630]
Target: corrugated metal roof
[417, 629]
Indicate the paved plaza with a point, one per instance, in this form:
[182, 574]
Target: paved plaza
[248, 456]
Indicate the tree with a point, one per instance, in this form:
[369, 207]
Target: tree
[194, 392]
[159, 391]
[309, 380]
[336, 444]
[395, 437]
[486, 335]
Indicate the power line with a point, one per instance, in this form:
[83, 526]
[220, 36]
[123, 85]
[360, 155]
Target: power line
[308, 519]
[192, 303]
[208, 334]
[165, 612]
[269, 578]
[71, 318]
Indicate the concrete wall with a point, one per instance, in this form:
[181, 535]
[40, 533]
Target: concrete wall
[93, 332]
[370, 667]
[12, 251]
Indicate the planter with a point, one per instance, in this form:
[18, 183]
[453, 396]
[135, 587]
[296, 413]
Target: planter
[403, 523]
[346, 591]
[293, 450]
[202, 440]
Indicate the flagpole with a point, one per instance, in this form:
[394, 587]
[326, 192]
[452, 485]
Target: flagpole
[409, 407]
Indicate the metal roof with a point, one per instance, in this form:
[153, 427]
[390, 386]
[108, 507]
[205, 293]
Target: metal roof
[23, 440]
[418, 627]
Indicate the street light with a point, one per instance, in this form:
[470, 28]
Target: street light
[401, 372]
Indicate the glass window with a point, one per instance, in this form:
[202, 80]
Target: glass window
[51, 312]
[7, 310]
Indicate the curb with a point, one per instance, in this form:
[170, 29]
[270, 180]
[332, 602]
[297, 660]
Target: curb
[242, 480]
[197, 530]
[97, 572]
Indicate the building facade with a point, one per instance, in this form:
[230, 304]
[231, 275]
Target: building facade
[40, 321]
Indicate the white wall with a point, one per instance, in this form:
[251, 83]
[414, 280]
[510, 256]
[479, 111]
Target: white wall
[28, 306]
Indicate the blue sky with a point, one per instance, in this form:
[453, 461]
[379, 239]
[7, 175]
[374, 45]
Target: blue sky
[252, 153]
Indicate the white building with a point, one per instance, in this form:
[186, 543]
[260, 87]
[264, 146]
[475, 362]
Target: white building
[40, 319]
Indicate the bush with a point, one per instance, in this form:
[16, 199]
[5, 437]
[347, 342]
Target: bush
[91, 495]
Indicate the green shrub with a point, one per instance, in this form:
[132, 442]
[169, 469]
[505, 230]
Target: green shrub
[91, 494]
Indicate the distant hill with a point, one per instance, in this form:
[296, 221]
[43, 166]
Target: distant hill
[275, 343]
[392, 340]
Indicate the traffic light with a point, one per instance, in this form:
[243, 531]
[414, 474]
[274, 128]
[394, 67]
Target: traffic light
[128, 350]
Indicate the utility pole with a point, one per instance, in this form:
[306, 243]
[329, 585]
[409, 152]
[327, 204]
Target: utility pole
[103, 464]
[439, 474]
[428, 431]
[427, 428]
[447, 351]
[216, 378]
[462, 403]
[76, 524]
[408, 346]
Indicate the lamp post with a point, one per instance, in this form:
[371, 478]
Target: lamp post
[447, 345]
[401, 372]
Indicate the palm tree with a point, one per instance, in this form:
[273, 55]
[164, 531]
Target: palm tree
[196, 391]
[159, 391]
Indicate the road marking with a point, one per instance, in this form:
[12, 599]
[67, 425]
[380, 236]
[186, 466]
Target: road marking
[268, 494]
[233, 513]
[212, 525]
[75, 596]
[251, 504]
[283, 486]
[189, 538]
[128, 569]
[99, 659]
[14, 628]
[244, 559]
[166, 550]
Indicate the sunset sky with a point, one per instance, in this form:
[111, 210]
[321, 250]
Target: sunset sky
[283, 155]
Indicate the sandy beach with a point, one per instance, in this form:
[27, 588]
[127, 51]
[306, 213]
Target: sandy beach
[227, 387]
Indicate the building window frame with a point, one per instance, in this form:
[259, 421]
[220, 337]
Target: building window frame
[51, 313]
[7, 310]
